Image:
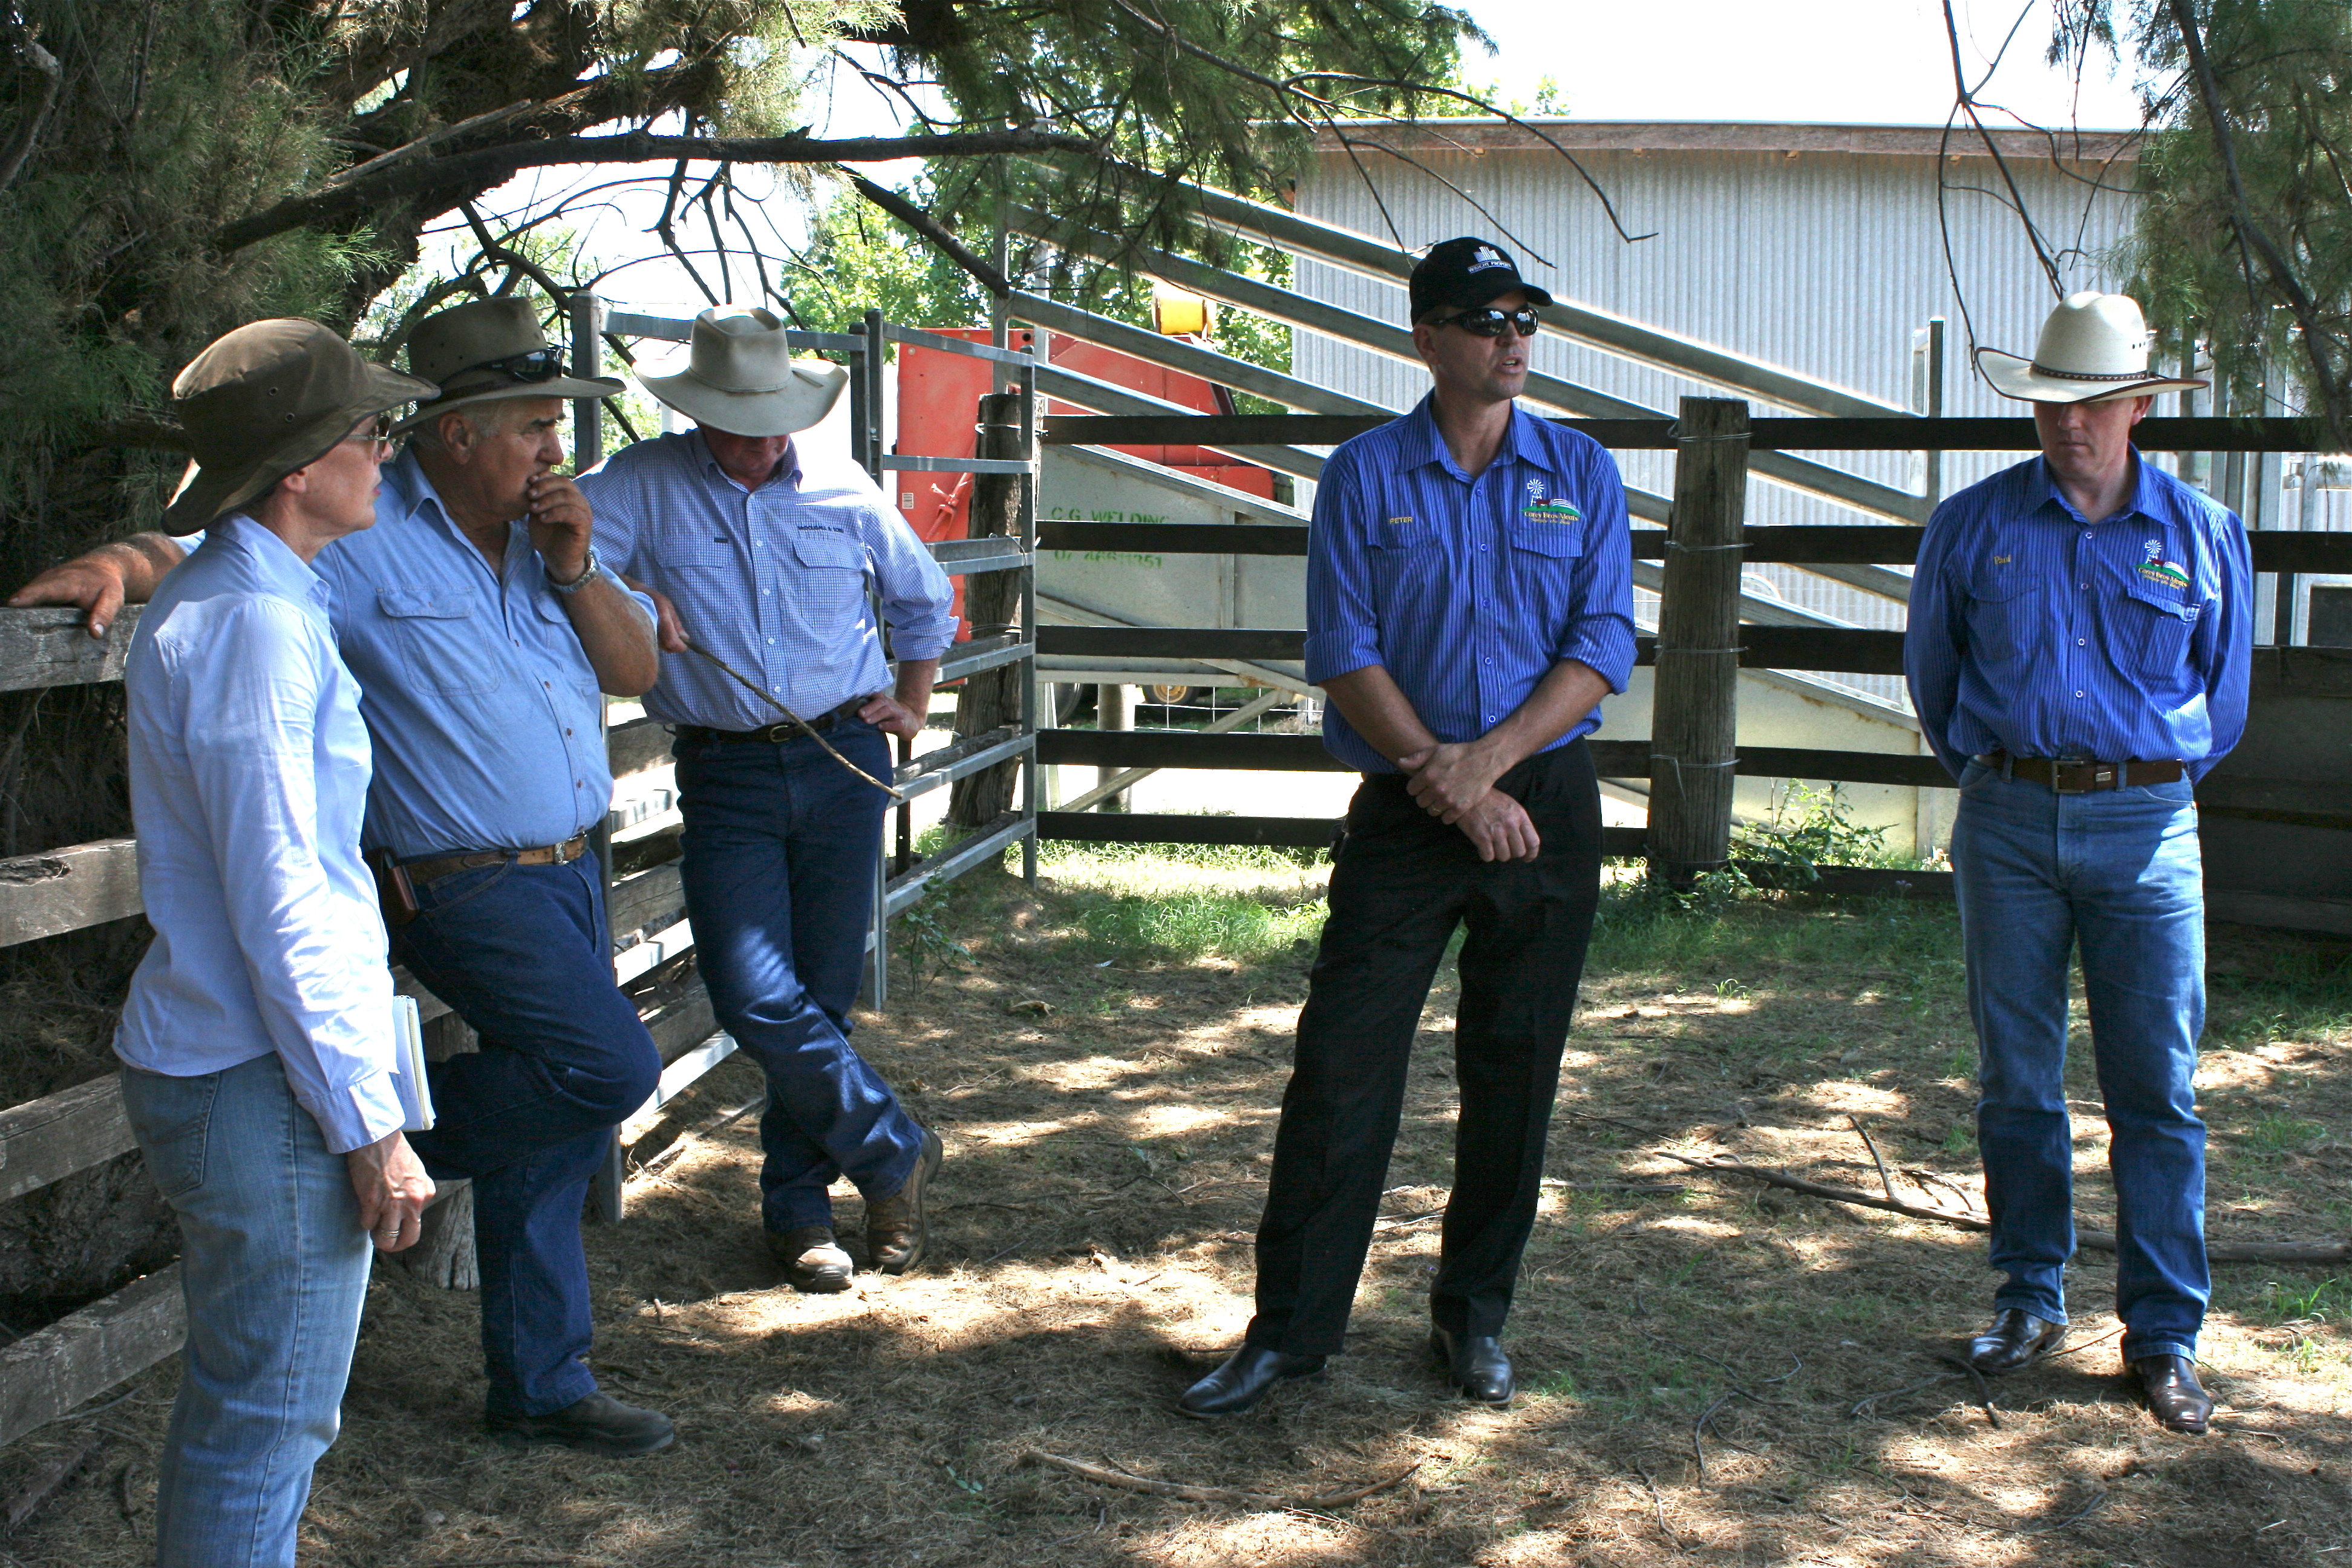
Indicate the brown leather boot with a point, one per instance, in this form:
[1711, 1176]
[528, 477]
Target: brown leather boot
[815, 1263]
[897, 1227]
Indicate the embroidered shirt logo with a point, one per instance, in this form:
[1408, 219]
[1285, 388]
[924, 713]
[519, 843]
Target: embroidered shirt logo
[1401, 522]
[2154, 568]
[1553, 514]
[1484, 256]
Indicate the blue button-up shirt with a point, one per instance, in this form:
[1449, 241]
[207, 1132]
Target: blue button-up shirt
[771, 580]
[1466, 591]
[2036, 631]
[248, 776]
[487, 721]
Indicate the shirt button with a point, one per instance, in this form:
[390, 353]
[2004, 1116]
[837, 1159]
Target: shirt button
[772, 642]
[2082, 642]
[2078, 694]
[567, 731]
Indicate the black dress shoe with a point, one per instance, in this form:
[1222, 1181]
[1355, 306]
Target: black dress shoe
[2175, 1397]
[2017, 1339]
[599, 1424]
[1242, 1381]
[1475, 1363]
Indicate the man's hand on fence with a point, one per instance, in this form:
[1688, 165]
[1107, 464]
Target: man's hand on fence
[1500, 828]
[1449, 780]
[91, 582]
[392, 1186]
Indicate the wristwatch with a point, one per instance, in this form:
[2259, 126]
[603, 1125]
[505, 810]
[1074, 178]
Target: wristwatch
[589, 569]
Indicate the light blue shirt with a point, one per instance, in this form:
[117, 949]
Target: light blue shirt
[487, 721]
[772, 580]
[248, 777]
[1466, 591]
[2038, 632]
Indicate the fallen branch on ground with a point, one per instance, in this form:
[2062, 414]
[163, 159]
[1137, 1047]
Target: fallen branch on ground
[1207, 1494]
[2084, 1238]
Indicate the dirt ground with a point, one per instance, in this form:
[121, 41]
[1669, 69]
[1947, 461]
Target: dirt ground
[1711, 1373]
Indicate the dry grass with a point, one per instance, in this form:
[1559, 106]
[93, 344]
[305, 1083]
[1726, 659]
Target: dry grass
[1109, 1130]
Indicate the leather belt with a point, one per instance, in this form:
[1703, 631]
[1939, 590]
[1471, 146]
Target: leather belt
[773, 734]
[440, 866]
[2074, 775]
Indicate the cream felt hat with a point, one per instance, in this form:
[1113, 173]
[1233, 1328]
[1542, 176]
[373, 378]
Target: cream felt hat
[2093, 346]
[737, 374]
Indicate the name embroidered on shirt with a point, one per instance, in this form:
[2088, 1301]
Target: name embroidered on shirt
[1557, 513]
[2002, 560]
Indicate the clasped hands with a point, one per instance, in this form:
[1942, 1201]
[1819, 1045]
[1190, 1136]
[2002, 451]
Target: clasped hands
[1454, 782]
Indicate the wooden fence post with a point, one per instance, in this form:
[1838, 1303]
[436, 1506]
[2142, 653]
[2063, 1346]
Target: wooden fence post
[992, 604]
[1694, 715]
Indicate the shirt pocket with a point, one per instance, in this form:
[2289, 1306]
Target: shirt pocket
[828, 548]
[2150, 636]
[562, 644]
[438, 630]
[2007, 612]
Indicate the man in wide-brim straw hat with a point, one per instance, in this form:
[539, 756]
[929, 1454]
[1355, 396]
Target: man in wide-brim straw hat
[483, 628]
[256, 1040]
[763, 548]
[2080, 632]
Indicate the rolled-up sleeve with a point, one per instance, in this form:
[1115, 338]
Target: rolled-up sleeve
[314, 959]
[1934, 638]
[1598, 633]
[918, 599]
[1343, 631]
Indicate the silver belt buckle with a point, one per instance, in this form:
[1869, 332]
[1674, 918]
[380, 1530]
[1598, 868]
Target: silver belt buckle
[2102, 776]
[565, 854]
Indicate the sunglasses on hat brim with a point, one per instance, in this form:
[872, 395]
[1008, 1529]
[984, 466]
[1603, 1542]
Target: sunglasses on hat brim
[1491, 323]
[540, 364]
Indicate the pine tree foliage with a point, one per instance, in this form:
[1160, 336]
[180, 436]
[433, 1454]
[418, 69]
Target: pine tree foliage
[2244, 238]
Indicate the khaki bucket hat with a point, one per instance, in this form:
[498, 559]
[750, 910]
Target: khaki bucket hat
[739, 376]
[487, 349]
[265, 400]
[2093, 346]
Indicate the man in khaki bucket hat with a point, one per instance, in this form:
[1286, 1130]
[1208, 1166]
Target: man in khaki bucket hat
[259, 1062]
[483, 630]
[2079, 640]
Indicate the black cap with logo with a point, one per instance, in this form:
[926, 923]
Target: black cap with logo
[1467, 273]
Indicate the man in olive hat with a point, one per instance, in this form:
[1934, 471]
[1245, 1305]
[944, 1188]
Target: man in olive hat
[765, 548]
[256, 1040]
[483, 629]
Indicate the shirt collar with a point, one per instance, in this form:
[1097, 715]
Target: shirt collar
[2145, 497]
[1424, 443]
[275, 564]
[789, 470]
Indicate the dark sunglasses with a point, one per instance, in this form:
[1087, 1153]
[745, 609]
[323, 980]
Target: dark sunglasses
[540, 364]
[1490, 322]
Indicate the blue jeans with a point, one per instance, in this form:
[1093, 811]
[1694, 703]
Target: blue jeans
[2118, 872]
[274, 1266]
[778, 868]
[522, 954]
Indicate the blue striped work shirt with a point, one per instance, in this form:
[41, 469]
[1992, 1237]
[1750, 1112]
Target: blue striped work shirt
[2038, 632]
[771, 580]
[1466, 591]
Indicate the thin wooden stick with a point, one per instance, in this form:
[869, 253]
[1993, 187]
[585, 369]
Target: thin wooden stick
[1188, 1493]
[1870, 1144]
[2085, 1238]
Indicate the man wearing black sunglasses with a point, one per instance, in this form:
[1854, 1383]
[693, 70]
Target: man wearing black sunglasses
[1469, 602]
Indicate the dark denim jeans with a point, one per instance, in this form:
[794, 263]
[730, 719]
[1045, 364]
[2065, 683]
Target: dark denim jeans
[2118, 871]
[523, 954]
[779, 849]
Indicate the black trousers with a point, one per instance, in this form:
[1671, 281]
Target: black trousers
[1402, 882]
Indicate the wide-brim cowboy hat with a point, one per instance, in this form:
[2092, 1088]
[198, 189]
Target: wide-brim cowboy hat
[737, 374]
[2093, 346]
[487, 350]
[265, 400]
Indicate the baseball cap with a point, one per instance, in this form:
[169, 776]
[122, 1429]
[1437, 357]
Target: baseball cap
[1465, 273]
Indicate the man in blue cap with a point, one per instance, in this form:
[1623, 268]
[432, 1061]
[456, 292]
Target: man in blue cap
[2080, 633]
[1469, 602]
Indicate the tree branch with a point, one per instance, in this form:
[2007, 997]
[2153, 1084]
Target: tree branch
[13, 158]
[922, 223]
[485, 167]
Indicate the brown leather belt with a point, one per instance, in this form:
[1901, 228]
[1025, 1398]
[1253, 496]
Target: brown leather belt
[2069, 775]
[774, 734]
[563, 854]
